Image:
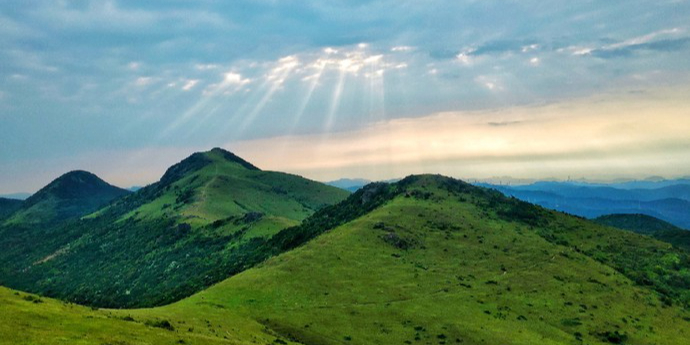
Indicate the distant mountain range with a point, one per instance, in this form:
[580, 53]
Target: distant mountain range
[16, 196]
[349, 184]
[666, 200]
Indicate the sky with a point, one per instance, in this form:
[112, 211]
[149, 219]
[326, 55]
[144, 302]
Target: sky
[331, 89]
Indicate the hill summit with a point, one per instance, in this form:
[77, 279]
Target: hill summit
[200, 160]
[73, 194]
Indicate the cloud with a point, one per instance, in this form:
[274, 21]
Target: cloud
[205, 67]
[232, 78]
[143, 81]
[503, 123]
[666, 45]
[650, 42]
[190, 84]
[504, 46]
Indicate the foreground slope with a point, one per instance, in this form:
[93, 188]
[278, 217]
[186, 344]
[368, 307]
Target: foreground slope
[73, 194]
[29, 319]
[431, 260]
[167, 240]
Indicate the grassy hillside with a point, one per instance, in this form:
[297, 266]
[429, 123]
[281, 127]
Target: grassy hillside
[438, 264]
[647, 225]
[29, 319]
[430, 260]
[71, 195]
[164, 242]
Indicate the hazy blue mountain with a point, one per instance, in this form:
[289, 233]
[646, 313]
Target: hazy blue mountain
[349, 184]
[670, 203]
[16, 196]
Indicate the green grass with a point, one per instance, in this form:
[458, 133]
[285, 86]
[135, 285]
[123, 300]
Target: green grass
[426, 261]
[28, 319]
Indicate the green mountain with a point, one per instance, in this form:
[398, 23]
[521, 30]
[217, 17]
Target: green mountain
[427, 260]
[8, 206]
[73, 194]
[164, 242]
[648, 225]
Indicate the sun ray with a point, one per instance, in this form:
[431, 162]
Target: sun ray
[195, 109]
[276, 79]
[307, 97]
[335, 102]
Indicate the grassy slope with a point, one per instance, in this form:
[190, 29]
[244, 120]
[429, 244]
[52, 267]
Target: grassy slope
[27, 319]
[433, 267]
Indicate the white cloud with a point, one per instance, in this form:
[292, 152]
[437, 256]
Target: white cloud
[530, 48]
[402, 49]
[489, 82]
[206, 67]
[643, 39]
[651, 37]
[232, 78]
[465, 58]
[190, 84]
[143, 81]
[19, 77]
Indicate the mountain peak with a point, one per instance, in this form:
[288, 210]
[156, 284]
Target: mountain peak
[72, 185]
[79, 176]
[218, 152]
[199, 160]
[75, 193]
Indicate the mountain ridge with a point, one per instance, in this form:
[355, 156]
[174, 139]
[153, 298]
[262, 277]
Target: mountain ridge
[177, 233]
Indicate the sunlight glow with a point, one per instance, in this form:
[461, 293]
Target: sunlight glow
[521, 142]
